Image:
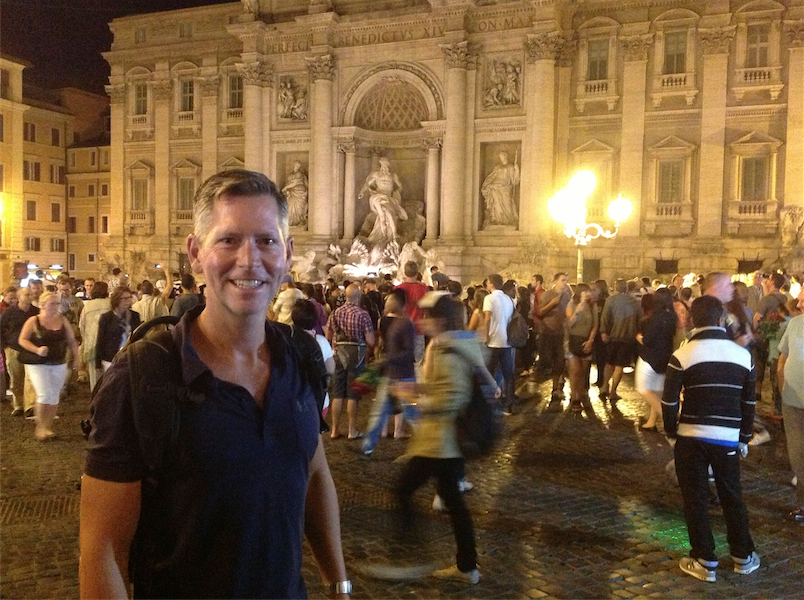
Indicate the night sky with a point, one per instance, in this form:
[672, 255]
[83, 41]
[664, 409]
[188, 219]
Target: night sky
[64, 38]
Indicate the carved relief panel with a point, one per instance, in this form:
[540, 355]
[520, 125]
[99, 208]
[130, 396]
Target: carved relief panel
[502, 82]
[293, 98]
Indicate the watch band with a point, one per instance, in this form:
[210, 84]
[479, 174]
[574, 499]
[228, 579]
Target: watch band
[340, 587]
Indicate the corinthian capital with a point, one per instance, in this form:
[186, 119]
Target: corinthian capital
[117, 93]
[162, 90]
[255, 73]
[636, 47]
[795, 33]
[566, 53]
[321, 67]
[717, 40]
[544, 46]
[460, 55]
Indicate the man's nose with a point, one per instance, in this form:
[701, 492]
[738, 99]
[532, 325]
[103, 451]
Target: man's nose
[248, 253]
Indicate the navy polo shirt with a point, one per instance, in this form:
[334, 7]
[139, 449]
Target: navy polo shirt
[230, 515]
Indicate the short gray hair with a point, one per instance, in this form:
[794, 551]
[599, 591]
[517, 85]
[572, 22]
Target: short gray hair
[235, 182]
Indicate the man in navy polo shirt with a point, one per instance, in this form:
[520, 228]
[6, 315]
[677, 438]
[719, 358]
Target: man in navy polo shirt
[248, 476]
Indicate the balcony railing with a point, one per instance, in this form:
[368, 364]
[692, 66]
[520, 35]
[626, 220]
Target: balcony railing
[752, 209]
[598, 90]
[674, 84]
[667, 209]
[233, 114]
[139, 120]
[184, 215]
[139, 215]
[758, 79]
[186, 116]
[673, 80]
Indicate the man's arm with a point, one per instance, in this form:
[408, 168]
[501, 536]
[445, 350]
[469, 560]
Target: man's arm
[109, 515]
[780, 371]
[748, 405]
[670, 399]
[322, 523]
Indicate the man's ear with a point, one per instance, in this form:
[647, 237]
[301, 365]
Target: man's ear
[193, 250]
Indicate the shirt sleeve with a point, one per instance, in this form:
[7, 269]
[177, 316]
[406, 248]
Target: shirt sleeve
[784, 343]
[113, 452]
[670, 399]
[487, 303]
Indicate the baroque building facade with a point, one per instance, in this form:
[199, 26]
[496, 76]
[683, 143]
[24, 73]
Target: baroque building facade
[481, 110]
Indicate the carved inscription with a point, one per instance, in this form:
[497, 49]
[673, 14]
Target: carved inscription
[499, 24]
[387, 36]
[283, 46]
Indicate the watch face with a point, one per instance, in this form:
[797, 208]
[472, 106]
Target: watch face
[341, 587]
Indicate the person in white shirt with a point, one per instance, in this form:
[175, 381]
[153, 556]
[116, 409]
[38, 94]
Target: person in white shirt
[497, 309]
[285, 299]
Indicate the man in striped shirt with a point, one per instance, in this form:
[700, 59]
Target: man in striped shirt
[718, 381]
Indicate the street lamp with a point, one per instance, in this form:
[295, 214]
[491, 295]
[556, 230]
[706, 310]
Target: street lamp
[568, 207]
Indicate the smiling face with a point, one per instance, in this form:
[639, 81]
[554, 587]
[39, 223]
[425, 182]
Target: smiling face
[243, 256]
[52, 306]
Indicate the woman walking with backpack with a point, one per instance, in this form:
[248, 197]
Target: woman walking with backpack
[44, 339]
[450, 362]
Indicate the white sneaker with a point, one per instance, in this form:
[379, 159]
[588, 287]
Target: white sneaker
[454, 574]
[465, 486]
[746, 566]
[692, 566]
[438, 504]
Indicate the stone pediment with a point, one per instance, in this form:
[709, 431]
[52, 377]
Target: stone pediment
[599, 23]
[673, 143]
[675, 16]
[757, 138]
[139, 166]
[185, 164]
[593, 147]
[760, 6]
[232, 163]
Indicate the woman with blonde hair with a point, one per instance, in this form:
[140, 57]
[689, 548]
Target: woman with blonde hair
[44, 339]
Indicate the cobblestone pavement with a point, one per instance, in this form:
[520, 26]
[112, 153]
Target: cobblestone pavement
[568, 507]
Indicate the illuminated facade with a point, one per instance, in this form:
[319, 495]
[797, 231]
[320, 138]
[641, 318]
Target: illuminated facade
[692, 110]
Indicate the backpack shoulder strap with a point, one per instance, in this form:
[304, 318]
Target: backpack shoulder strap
[154, 366]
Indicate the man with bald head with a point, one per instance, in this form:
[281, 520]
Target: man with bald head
[351, 333]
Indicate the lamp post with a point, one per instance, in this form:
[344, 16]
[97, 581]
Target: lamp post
[568, 207]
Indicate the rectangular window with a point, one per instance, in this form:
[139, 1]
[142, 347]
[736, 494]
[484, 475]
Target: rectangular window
[71, 262]
[670, 181]
[139, 194]
[186, 30]
[675, 52]
[104, 189]
[72, 224]
[187, 96]
[755, 179]
[54, 174]
[30, 210]
[139, 35]
[4, 83]
[31, 171]
[55, 212]
[92, 158]
[72, 158]
[91, 257]
[598, 57]
[105, 157]
[91, 189]
[57, 245]
[62, 175]
[28, 132]
[55, 137]
[186, 193]
[141, 98]
[71, 191]
[757, 47]
[104, 224]
[2, 130]
[33, 244]
[2, 180]
[235, 91]
[91, 224]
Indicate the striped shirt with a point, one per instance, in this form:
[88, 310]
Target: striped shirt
[718, 380]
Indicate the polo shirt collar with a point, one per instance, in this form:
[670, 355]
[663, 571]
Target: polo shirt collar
[707, 333]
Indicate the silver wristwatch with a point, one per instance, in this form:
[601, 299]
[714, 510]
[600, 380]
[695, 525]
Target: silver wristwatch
[340, 587]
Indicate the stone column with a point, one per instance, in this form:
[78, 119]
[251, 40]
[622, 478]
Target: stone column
[469, 207]
[564, 62]
[538, 153]
[117, 95]
[794, 151]
[453, 182]
[254, 74]
[162, 93]
[267, 112]
[632, 152]
[209, 126]
[715, 43]
[432, 201]
[322, 72]
[349, 199]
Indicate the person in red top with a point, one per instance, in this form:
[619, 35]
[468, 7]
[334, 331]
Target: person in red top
[415, 291]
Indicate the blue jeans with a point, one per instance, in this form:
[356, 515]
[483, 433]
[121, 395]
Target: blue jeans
[504, 358]
[381, 409]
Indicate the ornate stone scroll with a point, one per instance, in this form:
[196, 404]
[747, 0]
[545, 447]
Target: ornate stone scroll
[460, 55]
[636, 47]
[321, 67]
[210, 85]
[544, 46]
[117, 93]
[718, 40]
[795, 33]
[162, 90]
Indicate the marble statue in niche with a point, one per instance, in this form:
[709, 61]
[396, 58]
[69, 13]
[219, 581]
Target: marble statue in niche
[503, 86]
[499, 193]
[293, 100]
[385, 202]
[295, 191]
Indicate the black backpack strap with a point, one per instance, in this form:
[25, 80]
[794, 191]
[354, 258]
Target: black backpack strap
[141, 331]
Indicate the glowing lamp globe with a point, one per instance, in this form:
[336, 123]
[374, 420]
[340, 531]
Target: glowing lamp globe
[620, 209]
[583, 183]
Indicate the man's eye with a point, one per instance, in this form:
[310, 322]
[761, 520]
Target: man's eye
[267, 241]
